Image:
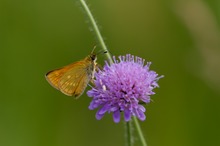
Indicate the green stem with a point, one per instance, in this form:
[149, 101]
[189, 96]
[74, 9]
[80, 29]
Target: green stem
[128, 138]
[96, 29]
[139, 131]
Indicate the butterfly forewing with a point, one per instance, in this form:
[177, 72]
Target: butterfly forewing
[54, 76]
[74, 82]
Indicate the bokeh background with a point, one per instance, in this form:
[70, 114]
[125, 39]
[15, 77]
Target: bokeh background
[180, 37]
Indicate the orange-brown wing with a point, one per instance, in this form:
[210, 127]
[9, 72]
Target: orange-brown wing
[74, 82]
[54, 76]
[82, 86]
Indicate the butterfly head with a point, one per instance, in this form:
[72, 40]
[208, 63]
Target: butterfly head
[93, 57]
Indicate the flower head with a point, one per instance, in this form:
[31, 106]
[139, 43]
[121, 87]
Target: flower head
[122, 87]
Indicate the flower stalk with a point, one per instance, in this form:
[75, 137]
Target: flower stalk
[139, 131]
[128, 129]
[96, 30]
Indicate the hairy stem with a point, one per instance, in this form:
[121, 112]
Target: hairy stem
[139, 131]
[128, 130]
[96, 30]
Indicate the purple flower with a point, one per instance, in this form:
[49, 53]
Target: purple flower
[123, 87]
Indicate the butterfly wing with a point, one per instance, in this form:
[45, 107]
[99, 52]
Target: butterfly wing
[73, 79]
[54, 76]
[74, 82]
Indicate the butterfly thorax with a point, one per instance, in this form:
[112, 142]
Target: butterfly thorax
[91, 64]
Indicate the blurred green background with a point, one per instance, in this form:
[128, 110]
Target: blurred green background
[180, 37]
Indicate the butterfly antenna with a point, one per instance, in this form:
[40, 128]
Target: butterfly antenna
[93, 49]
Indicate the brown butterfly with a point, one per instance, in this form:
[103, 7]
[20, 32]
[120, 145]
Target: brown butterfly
[74, 78]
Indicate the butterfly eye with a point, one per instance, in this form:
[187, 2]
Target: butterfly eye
[93, 57]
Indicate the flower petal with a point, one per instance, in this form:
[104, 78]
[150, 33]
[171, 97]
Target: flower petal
[116, 116]
[142, 116]
[127, 115]
[99, 116]
[104, 109]
[141, 108]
